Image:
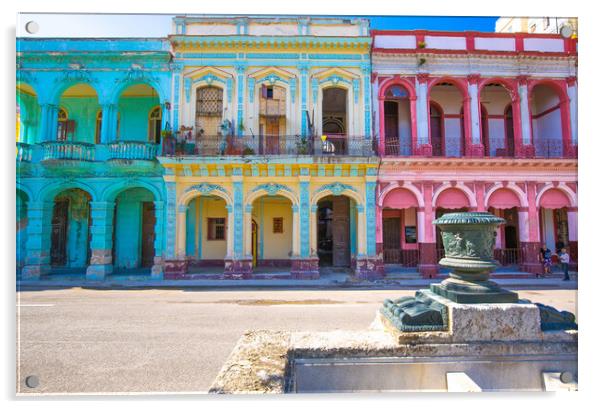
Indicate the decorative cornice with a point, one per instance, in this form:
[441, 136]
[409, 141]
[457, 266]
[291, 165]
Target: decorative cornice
[336, 188]
[205, 188]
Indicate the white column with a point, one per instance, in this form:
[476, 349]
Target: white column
[248, 230]
[523, 225]
[420, 220]
[296, 241]
[230, 232]
[572, 92]
[313, 234]
[361, 230]
[475, 117]
[422, 113]
[181, 233]
[525, 118]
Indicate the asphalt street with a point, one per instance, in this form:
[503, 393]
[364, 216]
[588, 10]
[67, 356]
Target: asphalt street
[175, 340]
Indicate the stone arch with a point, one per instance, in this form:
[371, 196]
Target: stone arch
[48, 193]
[522, 196]
[396, 80]
[258, 192]
[65, 84]
[469, 194]
[112, 191]
[27, 191]
[125, 84]
[572, 197]
[393, 186]
[190, 193]
[352, 194]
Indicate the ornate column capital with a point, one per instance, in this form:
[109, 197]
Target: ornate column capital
[571, 81]
[473, 78]
[423, 78]
[522, 79]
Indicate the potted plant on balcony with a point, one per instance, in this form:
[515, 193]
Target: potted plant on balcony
[248, 150]
[303, 146]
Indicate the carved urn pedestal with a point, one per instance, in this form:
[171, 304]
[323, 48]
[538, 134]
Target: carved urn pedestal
[468, 239]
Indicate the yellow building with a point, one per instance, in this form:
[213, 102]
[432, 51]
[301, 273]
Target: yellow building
[272, 167]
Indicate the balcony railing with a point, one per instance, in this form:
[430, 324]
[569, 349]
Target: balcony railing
[547, 148]
[132, 150]
[64, 150]
[406, 258]
[217, 145]
[24, 152]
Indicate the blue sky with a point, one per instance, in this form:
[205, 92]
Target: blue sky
[159, 25]
[434, 23]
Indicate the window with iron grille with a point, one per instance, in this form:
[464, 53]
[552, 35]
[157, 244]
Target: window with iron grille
[209, 101]
[216, 228]
[278, 225]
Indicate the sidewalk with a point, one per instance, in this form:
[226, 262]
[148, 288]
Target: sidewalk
[331, 280]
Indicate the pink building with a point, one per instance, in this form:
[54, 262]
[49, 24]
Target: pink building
[479, 122]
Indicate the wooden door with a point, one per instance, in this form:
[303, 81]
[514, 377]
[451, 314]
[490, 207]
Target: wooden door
[391, 128]
[272, 135]
[58, 238]
[391, 239]
[436, 130]
[148, 234]
[340, 232]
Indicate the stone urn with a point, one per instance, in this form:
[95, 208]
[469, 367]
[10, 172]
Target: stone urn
[469, 239]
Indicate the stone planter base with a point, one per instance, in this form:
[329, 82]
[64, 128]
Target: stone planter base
[305, 269]
[238, 269]
[98, 272]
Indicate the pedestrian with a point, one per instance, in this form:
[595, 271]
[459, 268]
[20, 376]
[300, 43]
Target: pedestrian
[545, 258]
[564, 262]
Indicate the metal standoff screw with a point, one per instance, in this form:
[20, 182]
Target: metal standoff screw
[566, 377]
[32, 381]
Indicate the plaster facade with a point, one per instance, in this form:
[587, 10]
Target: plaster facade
[213, 151]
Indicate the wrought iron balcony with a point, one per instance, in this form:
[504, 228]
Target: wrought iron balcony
[548, 148]
[217, 145]
[132, 150]
[24, 152]
[65, 150]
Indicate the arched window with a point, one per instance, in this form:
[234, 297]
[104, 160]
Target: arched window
[63, 125]
[396, 92]
[154, 125]
[509, 129]
[436, 130]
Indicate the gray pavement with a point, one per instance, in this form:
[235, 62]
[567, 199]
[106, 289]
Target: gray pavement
[120, 340]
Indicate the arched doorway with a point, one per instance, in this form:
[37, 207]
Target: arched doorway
[28, 114]
[554, 223]
[398, 122]
[447, 120]
[136, 106]
[272, 120]
[547, 121]
[505, 203]
[207, 120]
[400, 228]
[335, 117]
[496, 120]
[77, 114]
[336, 231]
[70, 233]
[206, 234]
[273, 243]
[134, 229]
